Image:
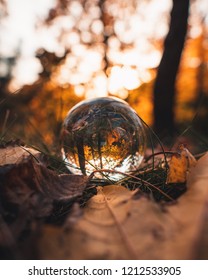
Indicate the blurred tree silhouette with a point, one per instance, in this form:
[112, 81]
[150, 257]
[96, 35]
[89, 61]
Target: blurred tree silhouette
[36, 111]
[165, 83]
[93, 27]
[49, 98]
[94, 38]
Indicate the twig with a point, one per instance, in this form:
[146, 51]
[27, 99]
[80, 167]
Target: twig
[134, 177]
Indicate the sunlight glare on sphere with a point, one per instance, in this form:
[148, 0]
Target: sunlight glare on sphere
[103, 133]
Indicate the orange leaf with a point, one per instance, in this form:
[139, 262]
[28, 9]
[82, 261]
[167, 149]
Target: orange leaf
[180, 165]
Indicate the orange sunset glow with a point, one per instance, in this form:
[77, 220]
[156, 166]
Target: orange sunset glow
[84, 50]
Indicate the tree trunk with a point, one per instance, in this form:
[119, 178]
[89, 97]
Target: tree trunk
[106, 34]
[164, 88]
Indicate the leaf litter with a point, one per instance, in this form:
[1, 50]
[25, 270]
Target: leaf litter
[116, 225]
[75, 207]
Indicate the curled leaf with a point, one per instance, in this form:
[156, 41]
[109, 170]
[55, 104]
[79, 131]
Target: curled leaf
[180, 165]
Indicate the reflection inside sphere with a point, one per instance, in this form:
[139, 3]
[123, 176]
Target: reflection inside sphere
[103, 133]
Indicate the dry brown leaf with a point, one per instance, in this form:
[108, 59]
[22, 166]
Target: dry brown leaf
[100, 227]
[180, 165]
[28, 190]
[116, 226]
[15, 154]
[22, 176]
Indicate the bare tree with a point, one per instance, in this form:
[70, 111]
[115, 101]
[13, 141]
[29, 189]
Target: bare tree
[164, 88]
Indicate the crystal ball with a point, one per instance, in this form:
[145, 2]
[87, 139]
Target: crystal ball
[103, 134]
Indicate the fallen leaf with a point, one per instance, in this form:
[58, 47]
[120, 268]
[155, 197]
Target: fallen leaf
[28, 189]
[117, 226]
[180, 165]
[114, 226]
[103, 218]
[15, 154]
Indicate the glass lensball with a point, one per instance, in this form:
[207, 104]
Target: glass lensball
[103, 133]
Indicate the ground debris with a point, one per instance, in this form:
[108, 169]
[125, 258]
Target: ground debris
[30, 191]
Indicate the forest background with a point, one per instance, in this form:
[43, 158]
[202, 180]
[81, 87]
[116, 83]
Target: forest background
[153, 54]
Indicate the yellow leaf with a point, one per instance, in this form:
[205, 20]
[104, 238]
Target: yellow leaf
[180, 165]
